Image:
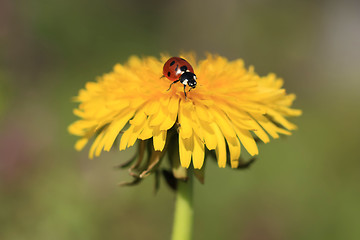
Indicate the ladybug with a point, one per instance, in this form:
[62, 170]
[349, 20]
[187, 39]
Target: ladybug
[179, 70]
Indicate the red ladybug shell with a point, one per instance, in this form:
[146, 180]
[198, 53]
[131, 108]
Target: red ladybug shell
[175, 67]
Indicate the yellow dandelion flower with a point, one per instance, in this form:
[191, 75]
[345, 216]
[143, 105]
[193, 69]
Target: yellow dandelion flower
[230, 107]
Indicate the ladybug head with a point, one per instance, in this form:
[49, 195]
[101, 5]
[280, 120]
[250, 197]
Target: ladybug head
[188, 78]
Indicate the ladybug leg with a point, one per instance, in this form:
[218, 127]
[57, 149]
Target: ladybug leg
[162, 76]
[185, 92]
[173, 83]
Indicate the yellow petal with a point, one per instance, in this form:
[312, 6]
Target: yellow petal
[235, 150]
[136, 130]
[195, 125]
[159, 140]
[81, 126]
[186, 146]
[247, 141]
[258, 131]
[221, 147]
[157, 118]
[185, 121]
[198, 153]
[152, 107]
[169, 121]
[117, 104]
[80, 144]
[139, 118]
[94, 146]
[113, 130]
[125, 138]
[267, 125]
[209, 135]
[147, 131]
[282, 131]
[280, 119]
[136, 103]
[79, 113]
[222, 121]
[202, 112]
[173, 105]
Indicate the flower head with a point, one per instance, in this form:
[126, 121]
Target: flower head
[229, 108]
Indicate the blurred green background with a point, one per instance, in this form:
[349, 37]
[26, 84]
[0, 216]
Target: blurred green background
[302, 187]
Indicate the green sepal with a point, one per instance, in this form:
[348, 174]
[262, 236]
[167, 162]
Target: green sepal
[245, 164]
[200, 174]
[152, 163]
[131, 183]
[170, 179]
[178, 171]
[157, 181]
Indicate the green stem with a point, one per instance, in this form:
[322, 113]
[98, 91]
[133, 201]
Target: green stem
[184, 213]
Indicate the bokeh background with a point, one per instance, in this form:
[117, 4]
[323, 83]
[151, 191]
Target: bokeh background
[302, 187]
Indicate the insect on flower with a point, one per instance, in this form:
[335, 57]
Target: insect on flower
[178, 69]
[233, 107]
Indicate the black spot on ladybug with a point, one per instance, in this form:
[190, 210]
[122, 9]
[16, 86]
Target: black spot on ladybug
[177, 67]
[172, 63]
[168, 74]
[183, 68]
